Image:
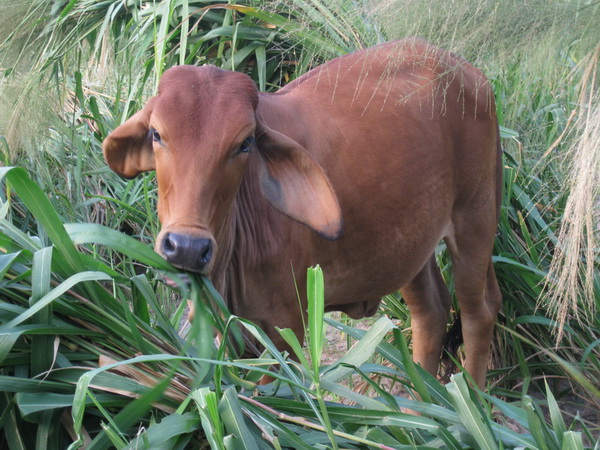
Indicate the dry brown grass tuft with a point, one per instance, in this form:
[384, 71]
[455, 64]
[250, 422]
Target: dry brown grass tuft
[570, 281]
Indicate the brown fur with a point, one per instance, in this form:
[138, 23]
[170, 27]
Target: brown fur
[382, 152]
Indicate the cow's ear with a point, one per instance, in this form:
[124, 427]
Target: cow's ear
[128, 149]
[295, 184]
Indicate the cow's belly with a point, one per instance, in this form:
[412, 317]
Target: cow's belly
[381, 267]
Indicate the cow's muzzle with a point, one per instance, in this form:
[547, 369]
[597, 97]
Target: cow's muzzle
[187, 252]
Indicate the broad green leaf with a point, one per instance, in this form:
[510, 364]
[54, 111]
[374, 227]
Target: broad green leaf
[18, 237]
[42, 347]
[79, 402]
[378, 435]
[8, 337]
[90, 233]
[56, 293]
[292, 340]
[202, 334]
[361, 351]
[470, 414]
[261, 63]
[284, 431]
[209, 415]
[316, 307]
[185, 27]
[393, 354]
[67, 8]
[347, 393]
[142, 344]
[558, 423]
[517, 265]
[508, 133]
[37, 202]
[36, 402]
[145, 290]
[535, 424]
[160, 435]
[45, 428]
[11, 430]
[6, 261]
[411, 368]
[140, 302]
[17, 384]
[354, 416]
[134, 412]
[572, 441]
[233, 419]
[114, 436]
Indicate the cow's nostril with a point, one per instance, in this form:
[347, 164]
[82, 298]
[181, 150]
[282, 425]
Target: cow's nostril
[169, 245]
[187, 252]
[206, 255]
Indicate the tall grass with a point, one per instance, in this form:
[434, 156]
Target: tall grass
[72, 71]
[73, 331]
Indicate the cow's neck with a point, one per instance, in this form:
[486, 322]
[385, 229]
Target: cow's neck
[254, 232]
[251, 236]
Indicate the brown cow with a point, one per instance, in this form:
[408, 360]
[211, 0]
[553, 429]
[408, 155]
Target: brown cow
[362, 166]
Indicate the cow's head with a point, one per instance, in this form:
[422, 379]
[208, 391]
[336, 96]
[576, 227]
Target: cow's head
[198, 133]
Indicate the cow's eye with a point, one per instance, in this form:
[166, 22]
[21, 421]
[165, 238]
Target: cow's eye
[155, 135]
[246, 145]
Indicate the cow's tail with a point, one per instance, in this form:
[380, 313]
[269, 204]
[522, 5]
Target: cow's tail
[452, 342]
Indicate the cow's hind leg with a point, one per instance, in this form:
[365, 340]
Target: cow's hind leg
[476, 288]
[428, 299]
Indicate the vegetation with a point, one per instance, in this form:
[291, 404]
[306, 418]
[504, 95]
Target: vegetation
[89, 347]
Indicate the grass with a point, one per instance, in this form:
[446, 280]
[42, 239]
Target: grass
[77, 298]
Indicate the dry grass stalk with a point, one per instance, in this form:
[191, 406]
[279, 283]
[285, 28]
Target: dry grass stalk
[571, 275]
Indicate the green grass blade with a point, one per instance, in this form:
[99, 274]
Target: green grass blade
[469, 413]
[411, 368]
[66, 9]
[37, 202]
[507, 133]
[133, 413]
[140, 301]
[535, 424]
[18, 384]
[394, 356]
[558, 423]
[56, 293]
[6, 262]
[573, 441]
[315, 292]
[233, 419]
[209, 415]
[11, 430]
[160, 41]
[261, 66]
[161, 435]
[361, 351]
[44, 430]
[8, 339]
[288, 335]
[89, 233]
[114, 436]
[42, 348]
[347, 393]
[145, 290]
[33, 403]
[19, 238]
[270, 422]
[185, 28]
